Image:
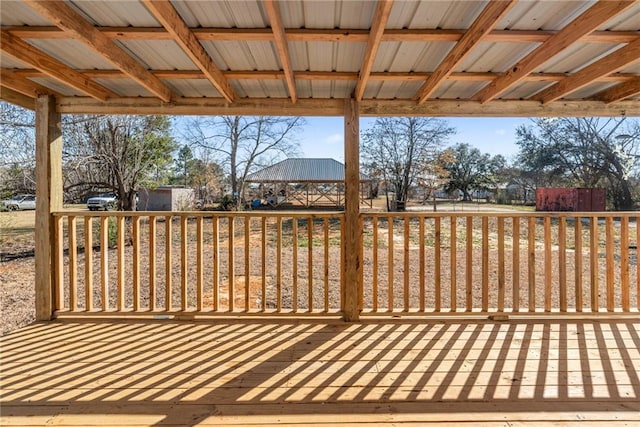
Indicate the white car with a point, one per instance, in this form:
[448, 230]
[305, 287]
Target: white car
[20, 202]
[104, 202]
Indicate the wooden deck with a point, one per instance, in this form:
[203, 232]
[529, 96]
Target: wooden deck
[261, 372]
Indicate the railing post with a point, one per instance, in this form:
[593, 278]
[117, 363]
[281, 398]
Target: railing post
[48, 200]
[351, 239]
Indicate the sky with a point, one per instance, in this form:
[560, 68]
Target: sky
[323, 136]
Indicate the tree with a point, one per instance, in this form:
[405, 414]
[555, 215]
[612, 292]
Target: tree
[402, 148]
[17, 150]
[469, 169]
[583, 152]
[184, 165]
[117, 152]
[242, 144]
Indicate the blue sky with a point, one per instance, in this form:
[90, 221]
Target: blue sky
[323, 136]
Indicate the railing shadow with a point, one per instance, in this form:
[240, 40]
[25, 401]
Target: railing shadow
[256, 370]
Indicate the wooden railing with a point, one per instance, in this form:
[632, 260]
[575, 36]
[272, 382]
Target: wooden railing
[202, 263]
[424, 263]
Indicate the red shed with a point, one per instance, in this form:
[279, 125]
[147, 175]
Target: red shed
[571, 199]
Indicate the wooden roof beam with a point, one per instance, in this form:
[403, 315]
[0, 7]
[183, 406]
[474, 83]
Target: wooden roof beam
[23, 85]
[587, 22]
[72, 22]
[328, 35]
[619, 92]
[167, 15]
[16, 98]
[380, 18]
[483, 24]
[609, 64]
[50, 66]
[275, 19]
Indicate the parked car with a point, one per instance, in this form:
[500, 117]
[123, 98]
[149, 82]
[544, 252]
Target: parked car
[105, 202]
[20, 202]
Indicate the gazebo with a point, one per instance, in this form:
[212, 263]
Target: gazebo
[321, 318]
[306, 182]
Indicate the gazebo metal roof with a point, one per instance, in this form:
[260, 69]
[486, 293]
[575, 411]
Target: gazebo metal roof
[491, 58]
[302, 170]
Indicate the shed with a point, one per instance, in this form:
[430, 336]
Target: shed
[308, 182]
[166, 198]
[571, 199]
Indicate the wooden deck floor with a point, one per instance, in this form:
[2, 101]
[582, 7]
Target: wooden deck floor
[261, 372]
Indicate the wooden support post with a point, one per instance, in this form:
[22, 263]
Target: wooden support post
[351, 238]
[49, 199]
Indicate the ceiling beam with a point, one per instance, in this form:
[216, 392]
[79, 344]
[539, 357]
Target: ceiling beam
[23, 85]
[50, 66]
[483, 24]
[275, 20]
[587, 22]
[335, 107]
[619, 92]
[380, 17]
[609, 64]
[64, 17]
[166, 14]
[16, 98]
[328, 35]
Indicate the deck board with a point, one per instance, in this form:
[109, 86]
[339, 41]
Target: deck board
[296, 372]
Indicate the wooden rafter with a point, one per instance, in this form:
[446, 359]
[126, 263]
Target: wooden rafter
[275, 20]
[587, 22]
[326, 35]
[52, 67]
[380, 17]
[619, 92]
[22, 84]
[610, 63]
[17, 98]
[64, 17]
[485, 22]
[167, 15]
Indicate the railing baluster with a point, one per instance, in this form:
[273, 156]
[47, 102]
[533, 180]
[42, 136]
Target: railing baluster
[548, 264]
[501, 278]
[390, 250]
[406, 264]
[593, 240]
[183, 262]
[121, 263]
[263, 299]
[73, 263]
[279, 264]
[294, 255]
[104, 262]
[136, 262]
[485, 263]
[247, 272]
[88, 263]
[326, 264]
[578, 264]
[610, 262]
[152, 263]
[310, 262]
[532, 263]
[422, 278]
[232, 267]
[199, 263]
[437, 264]
[215, 230]
[168, 268]
[624, 262]
[374, 284]
[453, 248]
[562, 263]
[469, 265]
[515, 279]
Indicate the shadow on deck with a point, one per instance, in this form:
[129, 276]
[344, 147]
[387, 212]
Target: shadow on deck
[263, 372]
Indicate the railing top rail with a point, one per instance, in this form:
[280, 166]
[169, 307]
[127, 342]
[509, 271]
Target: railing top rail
[252, 214]
[538, 214]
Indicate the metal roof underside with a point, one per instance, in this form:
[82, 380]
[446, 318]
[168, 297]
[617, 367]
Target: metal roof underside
[301, 170]
[303, 57]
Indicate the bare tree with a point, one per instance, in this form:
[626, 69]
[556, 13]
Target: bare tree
[403, 148]
[242, 144]
[17, 149]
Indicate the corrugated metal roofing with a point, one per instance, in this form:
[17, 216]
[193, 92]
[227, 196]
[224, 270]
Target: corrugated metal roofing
[159, 52]
[301, 170]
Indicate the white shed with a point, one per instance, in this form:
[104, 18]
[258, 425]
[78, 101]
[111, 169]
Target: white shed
[166, 198]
